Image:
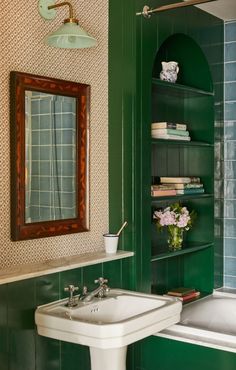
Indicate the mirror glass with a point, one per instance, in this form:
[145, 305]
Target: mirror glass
[49, 156]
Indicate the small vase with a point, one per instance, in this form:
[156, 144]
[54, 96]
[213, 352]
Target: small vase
[175, 239]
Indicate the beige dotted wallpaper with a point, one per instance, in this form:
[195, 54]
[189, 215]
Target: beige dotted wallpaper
[22, 49]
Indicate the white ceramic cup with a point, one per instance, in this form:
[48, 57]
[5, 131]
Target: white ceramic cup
[111, 243]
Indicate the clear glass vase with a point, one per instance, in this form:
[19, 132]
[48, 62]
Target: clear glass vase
[175, 238]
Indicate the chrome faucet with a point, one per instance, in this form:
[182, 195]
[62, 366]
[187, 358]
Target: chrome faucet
[72, 301]
[100, 291]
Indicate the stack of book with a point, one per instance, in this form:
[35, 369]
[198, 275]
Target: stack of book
[170, 131]
[184, 294]
[163, 190]
[183, 185]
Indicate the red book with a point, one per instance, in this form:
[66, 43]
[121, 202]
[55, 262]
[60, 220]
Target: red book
[163, 193]
[189, 296]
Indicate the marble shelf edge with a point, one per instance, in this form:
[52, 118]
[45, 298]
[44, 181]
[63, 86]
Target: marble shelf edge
[28, 271]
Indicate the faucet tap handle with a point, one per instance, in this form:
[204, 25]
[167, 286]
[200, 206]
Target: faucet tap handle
[101, 281]
[85, 290]
[71, 289]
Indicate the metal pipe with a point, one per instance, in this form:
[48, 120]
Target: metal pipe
[62, 4]
[147, 11]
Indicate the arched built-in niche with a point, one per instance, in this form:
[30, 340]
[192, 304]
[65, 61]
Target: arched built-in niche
[193, 66]
[190, 101]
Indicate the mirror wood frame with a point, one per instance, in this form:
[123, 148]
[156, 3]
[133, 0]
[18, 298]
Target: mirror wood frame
[19, 83]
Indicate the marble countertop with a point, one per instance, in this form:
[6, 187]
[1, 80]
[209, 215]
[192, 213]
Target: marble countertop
[28, 271]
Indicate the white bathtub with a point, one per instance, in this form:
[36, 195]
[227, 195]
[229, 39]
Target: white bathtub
[209, 322]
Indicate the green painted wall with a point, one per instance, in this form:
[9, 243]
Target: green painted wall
[134, 42]
[165, 354]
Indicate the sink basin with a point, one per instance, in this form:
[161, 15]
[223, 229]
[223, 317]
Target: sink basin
[117, 320]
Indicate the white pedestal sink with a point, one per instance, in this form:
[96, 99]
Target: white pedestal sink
[108, 325]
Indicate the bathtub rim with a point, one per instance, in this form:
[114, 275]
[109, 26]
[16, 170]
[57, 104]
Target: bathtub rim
[201, 337]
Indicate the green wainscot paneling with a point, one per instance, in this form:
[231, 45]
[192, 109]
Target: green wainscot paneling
[21, 347]
[166, 354]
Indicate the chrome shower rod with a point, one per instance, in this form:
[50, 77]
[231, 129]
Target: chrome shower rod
[147, 11]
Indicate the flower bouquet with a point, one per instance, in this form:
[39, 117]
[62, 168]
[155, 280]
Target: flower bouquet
[177, 219]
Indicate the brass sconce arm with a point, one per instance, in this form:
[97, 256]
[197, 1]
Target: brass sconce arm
[71, 16]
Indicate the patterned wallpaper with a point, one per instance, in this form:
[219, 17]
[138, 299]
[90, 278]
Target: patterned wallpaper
[22, 49]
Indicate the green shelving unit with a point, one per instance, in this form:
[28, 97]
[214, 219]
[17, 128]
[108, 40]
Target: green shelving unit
[179, 90]
[190, 102]
[190, 248]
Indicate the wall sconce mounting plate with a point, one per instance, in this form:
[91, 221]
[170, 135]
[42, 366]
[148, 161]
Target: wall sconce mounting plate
[44, 11]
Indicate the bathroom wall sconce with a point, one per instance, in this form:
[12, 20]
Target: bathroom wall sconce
[69, 35]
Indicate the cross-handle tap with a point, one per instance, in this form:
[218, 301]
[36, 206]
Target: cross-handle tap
[100, 292]
[101, 281]
[71, 289]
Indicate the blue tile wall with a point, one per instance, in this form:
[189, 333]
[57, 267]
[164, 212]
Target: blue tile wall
[230, 156]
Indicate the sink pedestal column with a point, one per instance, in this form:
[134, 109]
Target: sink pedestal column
[107, 359]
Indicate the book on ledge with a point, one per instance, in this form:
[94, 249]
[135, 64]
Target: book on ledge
[180, 180]
[181, 291]
[186, 298]
[163, 187]
[189, 297]
[169, 131]
[170, 137]
[191, 185]
[163, 192]
[190, 191]
[171, 125]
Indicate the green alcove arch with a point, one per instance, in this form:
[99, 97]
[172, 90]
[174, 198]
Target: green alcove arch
[193, 66]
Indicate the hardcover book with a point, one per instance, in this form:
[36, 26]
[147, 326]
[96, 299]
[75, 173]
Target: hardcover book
[188, 186]
[171, 125]
[163, 187]
[181, 291]
[190, 191]
[189, 297]
[180, 180]
[170, 137]
[169, 131]
[163, 193]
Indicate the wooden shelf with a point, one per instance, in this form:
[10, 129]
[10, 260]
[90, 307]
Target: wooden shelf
[189, 248]
[174, 89]
[182, 143]
[181, 197]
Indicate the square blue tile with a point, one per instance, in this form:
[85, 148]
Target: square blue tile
[230, 170]
[230, 111]
[230, 52]
[230, 247]
[230, 130]
[230, 228]
[230, 208]
[230, 31]
[230, 91]
[230, 71]
[230, 266]
[230, 189]
[230, 150]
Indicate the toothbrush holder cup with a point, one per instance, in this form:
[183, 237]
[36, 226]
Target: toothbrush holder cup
[111, 243]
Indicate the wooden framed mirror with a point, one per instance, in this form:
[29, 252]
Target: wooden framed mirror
[49, 156]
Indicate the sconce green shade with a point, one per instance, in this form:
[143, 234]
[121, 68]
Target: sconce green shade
[69, 35]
